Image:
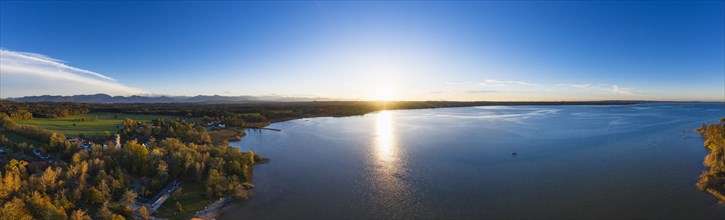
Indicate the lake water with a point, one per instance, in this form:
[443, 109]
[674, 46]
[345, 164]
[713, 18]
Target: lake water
[573, 162]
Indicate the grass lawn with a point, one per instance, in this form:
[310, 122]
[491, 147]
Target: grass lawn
[192, 199]
[16, 138]
[282, 111]
[228, 134]
[250, 114]
[92, 123]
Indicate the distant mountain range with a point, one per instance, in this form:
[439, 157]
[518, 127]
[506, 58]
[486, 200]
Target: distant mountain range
[215, 99]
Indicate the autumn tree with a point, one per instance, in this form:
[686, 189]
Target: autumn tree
[137, 157]
[11, 182]
[103, 212]
[128, 198]
[162, 170]
[14, 210]
[95, 196]
[40, 206]
[143, 212]
[79, 215]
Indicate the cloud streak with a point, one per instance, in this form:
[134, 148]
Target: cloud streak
[480, 91]
[32, 72]
[626, 91]
[581, 86]
[42, 61]
[603, 87]
[493, 82]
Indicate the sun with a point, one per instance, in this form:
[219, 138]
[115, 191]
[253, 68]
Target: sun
[383, 93]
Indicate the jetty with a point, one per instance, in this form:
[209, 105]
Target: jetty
[212, 211]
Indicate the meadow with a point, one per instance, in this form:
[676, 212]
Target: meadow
[91, 123]
[19, 138]
[191, 196]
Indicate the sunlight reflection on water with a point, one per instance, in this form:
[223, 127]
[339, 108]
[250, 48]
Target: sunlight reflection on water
[390, 189]
[385, 149]
[574, 162]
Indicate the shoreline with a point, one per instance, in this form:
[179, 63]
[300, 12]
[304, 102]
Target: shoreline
[240, 208]
[230, 134]
[213, 210]
[711, 180]
[480, 104]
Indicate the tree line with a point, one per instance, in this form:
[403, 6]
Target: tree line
[239, 113]
[26, 111]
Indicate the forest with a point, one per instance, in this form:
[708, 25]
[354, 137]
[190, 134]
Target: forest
[102, 181]
[713, 179]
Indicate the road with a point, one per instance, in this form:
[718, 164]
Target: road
[159, 199]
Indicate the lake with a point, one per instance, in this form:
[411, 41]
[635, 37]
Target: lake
[596, 162]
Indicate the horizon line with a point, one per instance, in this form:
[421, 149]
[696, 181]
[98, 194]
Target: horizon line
[328, 99]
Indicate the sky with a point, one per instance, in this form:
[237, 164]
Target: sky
[466, 51]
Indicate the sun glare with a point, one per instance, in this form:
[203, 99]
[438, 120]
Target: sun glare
[383, 93]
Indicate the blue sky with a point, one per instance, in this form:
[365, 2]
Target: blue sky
[367, 50]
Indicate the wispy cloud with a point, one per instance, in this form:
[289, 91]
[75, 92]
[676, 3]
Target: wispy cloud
[493, 82]
[455, 91]
[37, 72]
[604, 87]
[626, 91]
[481, 91]
[460, 83]
[583, 86]
[42, 61]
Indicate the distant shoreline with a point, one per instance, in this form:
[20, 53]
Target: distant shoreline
[480, 104]
[506, 103]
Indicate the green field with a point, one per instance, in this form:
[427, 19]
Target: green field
[192, 199]
[16, 138]
[92, 123]
[250, 114]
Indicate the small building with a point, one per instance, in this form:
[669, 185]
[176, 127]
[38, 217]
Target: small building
[117, 141]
